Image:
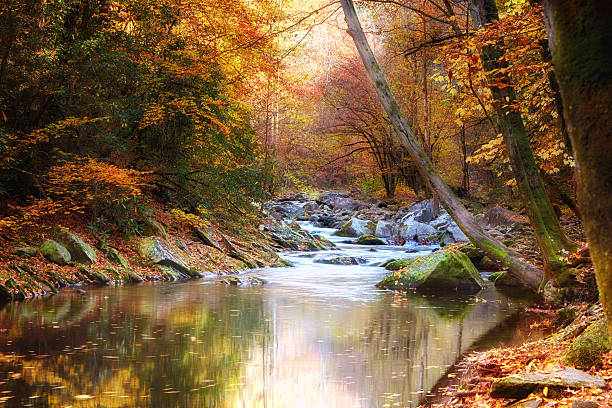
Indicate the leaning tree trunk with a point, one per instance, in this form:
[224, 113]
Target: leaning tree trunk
[553, 243]
[498, 252]
[580, 38]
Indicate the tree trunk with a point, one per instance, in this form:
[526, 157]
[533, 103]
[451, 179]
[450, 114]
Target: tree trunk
[553, 243]
[580, 38]
[501, 254]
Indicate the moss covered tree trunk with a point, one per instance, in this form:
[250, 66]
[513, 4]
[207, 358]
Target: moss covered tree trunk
[553, 243]
[501, 254]
[580, 37]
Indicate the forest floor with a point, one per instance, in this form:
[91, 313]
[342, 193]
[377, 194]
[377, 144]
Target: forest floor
[469, 383]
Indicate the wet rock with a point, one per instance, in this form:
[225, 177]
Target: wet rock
[25, 252]
[79, 251]
[341, 260]
[369, 239]
[588, 349]
[55, 252]
[243, 281]
[408, 230]
[454, 234]
[356, 227]
[384, 229]
[155, 250]
[519, 386]
[116, 257]
[327, 221]
[442, 221]
[439, 272]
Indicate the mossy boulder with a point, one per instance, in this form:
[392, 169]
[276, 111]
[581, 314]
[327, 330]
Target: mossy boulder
[475, 254]
[25, 252]
[398, 264]
[157, 251]
[341, 260]
[356, 227]
[79, 251]
[369, 239]
[55, 252]
[587, 349]
[117, 258]
[440, 272]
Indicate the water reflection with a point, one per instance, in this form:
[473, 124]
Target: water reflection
[316, 336]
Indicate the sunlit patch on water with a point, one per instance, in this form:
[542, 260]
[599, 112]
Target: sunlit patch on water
[315, 336]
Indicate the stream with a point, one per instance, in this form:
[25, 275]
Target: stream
[315, 336]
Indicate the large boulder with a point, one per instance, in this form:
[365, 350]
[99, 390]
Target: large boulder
[454, 234]
[156, 250]
[587, 349]
[422, 211]
[439, 272]
[518, 386]
[55, 252]
[79, 251]
[340, 201]
[369, 239]
[355, 228]
[384, 229]
[442, 221]
[408, 230]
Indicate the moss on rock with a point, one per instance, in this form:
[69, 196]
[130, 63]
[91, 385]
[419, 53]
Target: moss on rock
[588, 348]
[441, 271]
[55, 252]
[369, 239]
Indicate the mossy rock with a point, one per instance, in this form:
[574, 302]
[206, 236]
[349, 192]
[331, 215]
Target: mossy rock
[325, 243]
[475, 254]
[117, 258]
[587, 349]
[55, 252]
[158, 252]
[283, 263]
[25, 252]
[369, 239]
[79, 251]
[440, 272]
[398, 264]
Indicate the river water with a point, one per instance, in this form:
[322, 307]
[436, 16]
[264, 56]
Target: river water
[315, 336]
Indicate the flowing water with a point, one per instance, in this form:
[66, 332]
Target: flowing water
[316, 335]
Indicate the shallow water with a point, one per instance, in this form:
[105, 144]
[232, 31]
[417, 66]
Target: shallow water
[316, 335]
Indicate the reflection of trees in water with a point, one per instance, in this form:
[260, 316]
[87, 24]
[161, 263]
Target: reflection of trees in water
[410, 341]
[156, 349]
